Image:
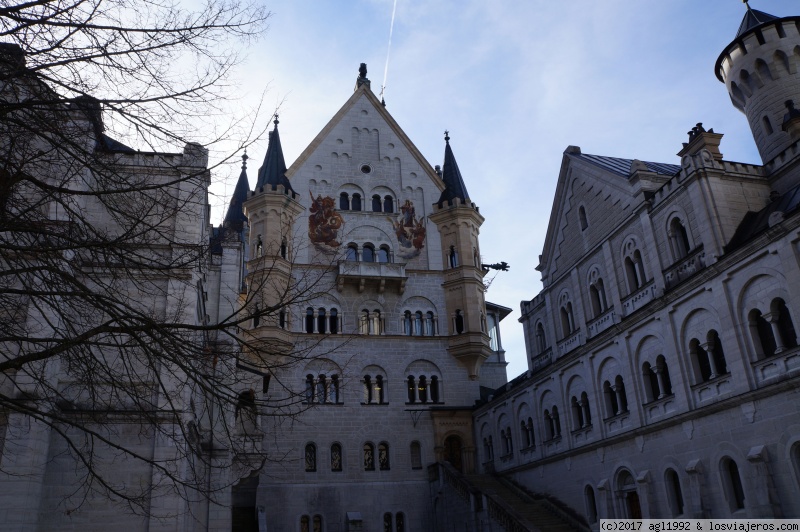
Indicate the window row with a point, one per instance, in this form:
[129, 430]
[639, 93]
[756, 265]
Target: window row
[368, 253]
[329, 321]
[354, 203]
[370, 460]
[391, 523]
[322, 389]
[627, 492]
[419, 324]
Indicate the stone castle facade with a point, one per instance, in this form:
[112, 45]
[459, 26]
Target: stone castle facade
[663, 351]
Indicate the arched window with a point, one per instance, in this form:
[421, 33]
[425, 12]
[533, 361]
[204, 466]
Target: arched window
[452, 257]
[369, 457]
[383, 456]
[582, 216]
[577, 413]
[334, 321]
[597, 295]
[541, 341]
[657, 383]
[412, 389]
[351, 253]
[416, 455]
[383, 254]
[322, 322]
[376, 322]
[732, 484]
[317, 523]
[418, 323]
[434, 389]
[282, 319]
[761, 332]
[376, 203]
[786, 330]
[368, 253]
[674, 492]
[336, 457]
[387, 522]
[408, 323]
[634, 269]
[388, 204]
[591, 504]
[284, 248]
[367, 389]
[344, 201]
[459, 322]
[556, 421]
[678, 239]
[309, 320]
[652, 391]
[615, 397]
[356, 203]
[333, 391]
[311, 458]
[422, 389]
[322, 389]
[380, 390]
[363, 322]
[400, 522]
[430, 327]
[567, 319]
[309, 388]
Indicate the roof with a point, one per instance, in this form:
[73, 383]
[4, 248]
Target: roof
[752, 19]
[454, 186]
[622, 167]
[755, 223]
[273, 172]
[234, 217]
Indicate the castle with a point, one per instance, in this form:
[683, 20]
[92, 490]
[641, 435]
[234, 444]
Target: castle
[368, 376]
[662, 350]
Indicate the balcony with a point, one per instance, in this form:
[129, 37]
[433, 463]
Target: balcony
[685, 268]
[377, 275]
[569, 343]
[640, 298]
[713, 389]
[601, 323]
[780, 366]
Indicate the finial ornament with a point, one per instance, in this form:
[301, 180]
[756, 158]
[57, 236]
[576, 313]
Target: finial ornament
[276, 121]
[244, 159]
[446, 136]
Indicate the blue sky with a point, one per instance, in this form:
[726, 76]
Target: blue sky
[515, 82]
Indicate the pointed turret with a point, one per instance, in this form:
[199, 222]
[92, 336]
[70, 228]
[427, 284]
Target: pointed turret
[235, 218]
[758, 73]
[454, 186]
[752, 19]
[273, 172]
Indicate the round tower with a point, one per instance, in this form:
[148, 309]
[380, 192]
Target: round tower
[761, 70]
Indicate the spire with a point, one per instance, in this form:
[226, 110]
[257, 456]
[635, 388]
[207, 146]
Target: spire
[453, 182]
[752, 19]
[234, 218]
[272, 172]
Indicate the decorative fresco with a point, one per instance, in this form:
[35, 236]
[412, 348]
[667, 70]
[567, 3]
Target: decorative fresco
[410, 231]
[324, 222]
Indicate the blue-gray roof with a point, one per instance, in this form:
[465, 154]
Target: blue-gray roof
[622, 167]
[454, 187]
[752, 19]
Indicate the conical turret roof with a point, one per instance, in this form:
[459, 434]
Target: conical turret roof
[454, 186]
[752, 19]
[273, 172]
[234, 217]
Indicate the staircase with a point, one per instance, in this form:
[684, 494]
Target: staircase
[511, 507]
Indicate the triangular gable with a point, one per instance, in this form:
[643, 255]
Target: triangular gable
[609, 181]
[365, 91]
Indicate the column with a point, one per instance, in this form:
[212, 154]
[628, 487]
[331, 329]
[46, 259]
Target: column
[618, 394]
[772, 319]
[662, 388]
[709, 349]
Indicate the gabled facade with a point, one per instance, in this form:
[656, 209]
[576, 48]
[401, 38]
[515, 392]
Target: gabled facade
[377, 361]
[662, 350]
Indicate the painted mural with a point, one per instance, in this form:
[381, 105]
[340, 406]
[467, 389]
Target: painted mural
[324, 222]
[410, 231]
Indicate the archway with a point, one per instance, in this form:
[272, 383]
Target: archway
[452, 452]
[628, 496]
